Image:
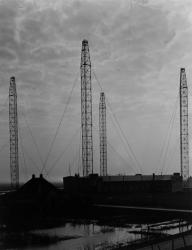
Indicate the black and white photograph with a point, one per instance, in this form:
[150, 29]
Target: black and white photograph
[95, 124]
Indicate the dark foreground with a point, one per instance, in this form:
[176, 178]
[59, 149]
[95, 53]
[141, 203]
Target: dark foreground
[148, 230]
[40, 205]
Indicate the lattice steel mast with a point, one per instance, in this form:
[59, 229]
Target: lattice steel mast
[103, 135]
[13, 129]
[86, 110]
[184, 145]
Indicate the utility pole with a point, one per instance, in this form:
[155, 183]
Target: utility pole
[103, 135]
[13, 129]
[86, 110]
[184, 141]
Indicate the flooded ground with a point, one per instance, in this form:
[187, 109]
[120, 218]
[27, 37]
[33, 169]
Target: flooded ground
[90, 235]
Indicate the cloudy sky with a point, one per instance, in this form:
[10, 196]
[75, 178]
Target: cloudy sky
[137, 48]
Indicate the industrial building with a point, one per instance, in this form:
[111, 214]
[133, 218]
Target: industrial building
[120, 184]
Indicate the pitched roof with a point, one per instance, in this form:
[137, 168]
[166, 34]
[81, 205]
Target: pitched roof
[36, 187]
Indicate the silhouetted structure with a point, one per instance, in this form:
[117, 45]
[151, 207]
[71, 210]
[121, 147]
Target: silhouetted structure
[184, 145]
[37, 187]
[13, 128]
[123, 184]
[86, 110]
[103, 135]
[35, 197]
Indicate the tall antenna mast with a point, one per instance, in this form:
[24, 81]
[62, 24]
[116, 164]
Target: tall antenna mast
[13, 129]
[86, 110]
[103, 135]
[184, 144]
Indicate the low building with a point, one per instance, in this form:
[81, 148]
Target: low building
[123, 184]
[35, 196]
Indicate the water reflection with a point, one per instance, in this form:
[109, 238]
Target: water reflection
[92, 236]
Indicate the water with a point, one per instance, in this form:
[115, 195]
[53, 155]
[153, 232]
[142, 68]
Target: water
[92, 236]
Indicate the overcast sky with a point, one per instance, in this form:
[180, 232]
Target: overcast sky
[137, 48]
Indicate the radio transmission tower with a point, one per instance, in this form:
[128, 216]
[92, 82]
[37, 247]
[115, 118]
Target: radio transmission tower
[103, 135]
[184, 145]
[13, 129]
[86, 110]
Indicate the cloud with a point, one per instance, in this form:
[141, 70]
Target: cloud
[7, 55]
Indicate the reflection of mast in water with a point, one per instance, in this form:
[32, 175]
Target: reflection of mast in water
[87, 229]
